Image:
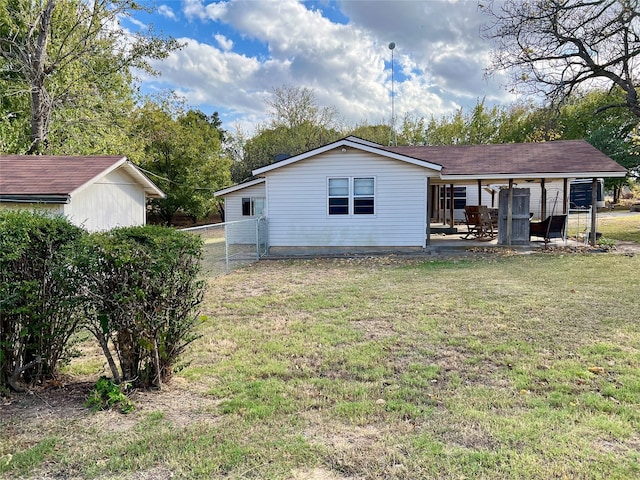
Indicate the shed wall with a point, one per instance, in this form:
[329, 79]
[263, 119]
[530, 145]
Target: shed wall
[115, 200]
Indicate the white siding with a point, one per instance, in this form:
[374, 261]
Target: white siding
[297, 203]
[233, 202]
[116, 200]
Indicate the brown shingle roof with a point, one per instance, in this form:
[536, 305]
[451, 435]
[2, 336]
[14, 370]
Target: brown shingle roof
[569, 157]
[50, 175]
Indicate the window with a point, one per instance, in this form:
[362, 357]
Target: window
[351, 196]
[338, 196]
[459, 197]
[253, 206]
[363, 190]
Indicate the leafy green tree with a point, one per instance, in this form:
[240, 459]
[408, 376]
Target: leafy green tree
[14, 119]
[183, 152]
[613, 132]
[380, 134]
[297, 124]
[68, 55]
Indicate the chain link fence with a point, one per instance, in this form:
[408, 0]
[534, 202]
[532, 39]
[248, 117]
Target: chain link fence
[231, 245]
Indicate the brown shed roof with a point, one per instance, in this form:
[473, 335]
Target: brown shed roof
[567, 158]
[58, 175]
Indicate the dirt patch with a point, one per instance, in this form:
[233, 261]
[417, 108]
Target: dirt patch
[178, 405]
[316, 474]
[59, 401]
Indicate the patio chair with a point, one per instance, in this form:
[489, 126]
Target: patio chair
[551, 227]
[478, 220]
[487, 221]
[472, 219]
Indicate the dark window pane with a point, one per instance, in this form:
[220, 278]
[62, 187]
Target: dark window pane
[246, 206]
[338, 206]
[363, 206]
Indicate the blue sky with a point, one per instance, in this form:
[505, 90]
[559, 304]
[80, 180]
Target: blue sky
[236, 52]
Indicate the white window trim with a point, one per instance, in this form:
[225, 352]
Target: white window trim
[351, 197]
[252, 200]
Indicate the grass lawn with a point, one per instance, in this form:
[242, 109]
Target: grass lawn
[523, 366]
[625, 227]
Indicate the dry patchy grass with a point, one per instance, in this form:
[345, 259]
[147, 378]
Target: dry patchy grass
[385, 367]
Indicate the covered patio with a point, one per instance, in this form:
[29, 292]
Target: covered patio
[520, 182]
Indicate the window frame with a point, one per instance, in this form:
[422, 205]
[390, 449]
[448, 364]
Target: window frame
[357, 204]
[251, 201]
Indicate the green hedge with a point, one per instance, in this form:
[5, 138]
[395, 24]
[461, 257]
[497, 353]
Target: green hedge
[39, 305]
[137, 289]
[144, 293]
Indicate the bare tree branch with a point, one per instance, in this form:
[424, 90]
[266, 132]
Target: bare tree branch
[556, 47]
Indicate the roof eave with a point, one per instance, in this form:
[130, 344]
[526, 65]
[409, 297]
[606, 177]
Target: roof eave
[150, 189]
[367, 147]
[240, 186]
[524, 176]
[58, 199]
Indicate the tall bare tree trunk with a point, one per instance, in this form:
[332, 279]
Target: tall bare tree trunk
[40, 99]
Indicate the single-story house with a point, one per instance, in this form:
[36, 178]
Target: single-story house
[355, 194]
[95, 192]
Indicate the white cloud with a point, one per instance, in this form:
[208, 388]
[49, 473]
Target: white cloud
[137, 23]
[224, 43]
[439, 58]
[167, 11]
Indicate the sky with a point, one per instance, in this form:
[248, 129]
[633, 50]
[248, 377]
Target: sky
[236, 52]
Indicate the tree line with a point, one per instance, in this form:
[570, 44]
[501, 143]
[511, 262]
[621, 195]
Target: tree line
[67, 88]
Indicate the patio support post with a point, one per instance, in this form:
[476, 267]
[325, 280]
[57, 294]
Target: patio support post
[543, 196]
[594, 210]
[428, 200]
[510, 213]
[436, 203]
[451, 205]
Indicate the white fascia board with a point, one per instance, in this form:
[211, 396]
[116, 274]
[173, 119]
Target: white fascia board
[240, 186]
[150, 189]
[506, 176]
[366, 147]
[362, 141]
[99, 176]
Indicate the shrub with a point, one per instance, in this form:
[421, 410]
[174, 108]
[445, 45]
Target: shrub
[38, 302]
[143, 291]
[106, 395]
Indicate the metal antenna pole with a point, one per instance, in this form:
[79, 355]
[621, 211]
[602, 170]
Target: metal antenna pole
[393, 141]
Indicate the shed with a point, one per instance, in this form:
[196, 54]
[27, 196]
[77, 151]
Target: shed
[95, 192]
